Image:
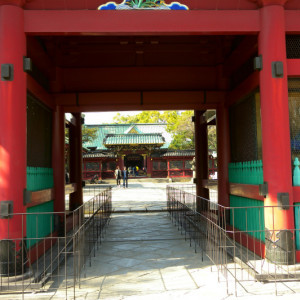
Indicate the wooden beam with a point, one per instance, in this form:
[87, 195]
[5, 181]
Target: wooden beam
[39, 92]
[292, 24]
[293, 67]
[247, 86]
[89, 22]
[115, 101]
[39, 197]
[138, 79]
[70, 188]
[36, 51]
[246, 49]
[245, 190]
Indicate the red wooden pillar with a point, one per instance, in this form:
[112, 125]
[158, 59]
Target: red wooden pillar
[100, 169]
[119, 161]
[275, 133]
[201, 154]
[168, 164]
[12, 131]
[223, 144]
[149, 166]
[58, 158]
[76, 161]
[122, 165]
[145, 160]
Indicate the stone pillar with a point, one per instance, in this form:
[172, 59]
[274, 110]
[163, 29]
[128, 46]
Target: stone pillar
[275, 134]
[13, 160]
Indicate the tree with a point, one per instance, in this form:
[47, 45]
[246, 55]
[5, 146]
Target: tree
[88, 134]
[179, 125]
[212, 137]
[183, 131]
[151, 116]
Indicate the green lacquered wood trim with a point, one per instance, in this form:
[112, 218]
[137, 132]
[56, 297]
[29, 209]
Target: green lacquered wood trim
[297, 224]
[247, 215]
[39, 225]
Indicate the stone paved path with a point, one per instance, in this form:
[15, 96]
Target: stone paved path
[144, 256]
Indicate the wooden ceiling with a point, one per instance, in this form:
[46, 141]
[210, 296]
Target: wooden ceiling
[135, 63]
[114, 51]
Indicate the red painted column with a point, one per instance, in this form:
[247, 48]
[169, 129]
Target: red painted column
[13, 160]
[223, 144]
[58, 158]
[13, 119]
[119, 161]
[122, 162]
[275, 133]
[76, 161]
[100, 169]
[201, 155]
[149, 166]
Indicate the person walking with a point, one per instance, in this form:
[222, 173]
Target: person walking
[125, 178]
[118, 176]
[136, 171]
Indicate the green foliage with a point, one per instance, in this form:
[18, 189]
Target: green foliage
[182, 131]
[151, 116]
[88, 134]
[143, 3]
[179, 125]
[212, 137]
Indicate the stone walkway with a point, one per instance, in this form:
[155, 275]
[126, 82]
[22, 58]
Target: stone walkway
[145, 256]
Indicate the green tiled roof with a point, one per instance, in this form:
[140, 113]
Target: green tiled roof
[134, 139]
[127, 129]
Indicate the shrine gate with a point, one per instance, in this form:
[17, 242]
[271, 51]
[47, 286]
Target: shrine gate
[239, 57]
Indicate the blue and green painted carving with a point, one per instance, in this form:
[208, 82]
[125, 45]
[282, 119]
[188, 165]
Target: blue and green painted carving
[296, 173]
[142, 4]
[247, 215]
[248, 172]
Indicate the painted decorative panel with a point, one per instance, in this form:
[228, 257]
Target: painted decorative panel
[143, 4]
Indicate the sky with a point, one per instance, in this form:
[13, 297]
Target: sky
[94, 118]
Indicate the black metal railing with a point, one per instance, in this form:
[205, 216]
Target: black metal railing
[235, 238]
[55, 261]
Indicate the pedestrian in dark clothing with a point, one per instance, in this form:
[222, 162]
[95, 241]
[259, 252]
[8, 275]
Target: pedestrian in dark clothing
[118, 176]
[125, 178]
